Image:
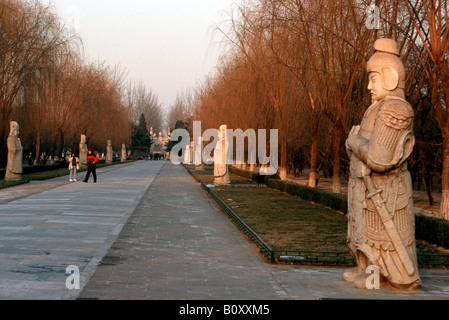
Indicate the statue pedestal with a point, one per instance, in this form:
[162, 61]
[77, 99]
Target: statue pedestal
[223, 181]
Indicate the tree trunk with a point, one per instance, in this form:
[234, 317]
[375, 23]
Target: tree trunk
[283, 164]
[444, 209]
[4, 132]
[443, 122]
[336, 152]
[38, 149]
[426, 180]
[314, 152]
[61, 141]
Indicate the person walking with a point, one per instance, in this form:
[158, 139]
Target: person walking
[91, 166]
[74, 165]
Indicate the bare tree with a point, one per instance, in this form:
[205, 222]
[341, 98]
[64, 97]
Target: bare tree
[142, 100]
[430, 20]
[181, 109]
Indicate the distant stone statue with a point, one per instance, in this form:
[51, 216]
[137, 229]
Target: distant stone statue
[381, 228]
[109, 152]
[124, 154]
[221, 170]
[83, 151]
[192, 149]
[187, 155]
[15, 154]
[198, 152]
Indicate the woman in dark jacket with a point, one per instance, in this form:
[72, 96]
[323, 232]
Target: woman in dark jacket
[91, 166]
[73, 167]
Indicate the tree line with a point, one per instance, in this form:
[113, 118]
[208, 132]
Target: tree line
[299, 66]
[55, 94]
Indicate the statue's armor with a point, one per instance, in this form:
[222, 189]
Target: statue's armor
[386, 133]
[14, 166]
[221, 171]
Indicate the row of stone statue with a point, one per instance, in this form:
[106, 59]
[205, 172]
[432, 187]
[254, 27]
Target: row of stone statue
[14, 167]
[221, 169]
[381, 219]
[381, 226]
[109, 152]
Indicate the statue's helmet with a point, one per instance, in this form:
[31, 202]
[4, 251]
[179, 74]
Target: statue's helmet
[13, 127]
[387, 63]
[222, 131]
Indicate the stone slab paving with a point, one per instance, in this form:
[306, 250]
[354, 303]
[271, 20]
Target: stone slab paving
[49, 225]
[178, 245]
[147, 230]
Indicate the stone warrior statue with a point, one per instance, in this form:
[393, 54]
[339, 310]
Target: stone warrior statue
[109, 152]
[381, 227]
[15, 154]
[124, 154]
[83, 151]
[198, 151]
[221, 170]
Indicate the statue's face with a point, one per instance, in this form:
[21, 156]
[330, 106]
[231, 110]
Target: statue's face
[222, 132]
[376, 87]
[15, 130]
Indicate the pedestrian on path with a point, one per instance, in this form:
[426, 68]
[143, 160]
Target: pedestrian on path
[74, 165]
[91, 166]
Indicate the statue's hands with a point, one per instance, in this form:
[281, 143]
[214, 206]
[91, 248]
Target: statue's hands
[365, 171]
[354, 132]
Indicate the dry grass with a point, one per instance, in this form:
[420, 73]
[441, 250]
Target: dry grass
[283, 221]
[286, 222]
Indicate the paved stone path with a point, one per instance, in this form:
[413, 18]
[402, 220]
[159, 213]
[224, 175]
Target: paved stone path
[148, 231]
[61, 224]
[178, 245]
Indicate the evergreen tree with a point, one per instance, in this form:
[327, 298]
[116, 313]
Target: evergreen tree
[170, 144]
[141, 140]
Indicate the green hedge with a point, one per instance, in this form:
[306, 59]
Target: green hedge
[432, 230]
[255, 176]
[7, 184]
[32, 172]
[335, 201]
[332, 200]
[34, 169]
[47, 167]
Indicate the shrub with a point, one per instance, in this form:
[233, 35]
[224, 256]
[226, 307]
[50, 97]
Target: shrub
[7, 184]
[254, 176]
[34, 169]
[335, 201]
[432, 230]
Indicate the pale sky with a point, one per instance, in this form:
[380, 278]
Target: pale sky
[169, 45]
